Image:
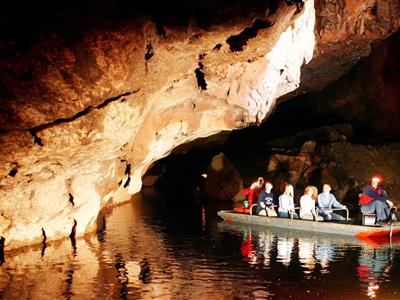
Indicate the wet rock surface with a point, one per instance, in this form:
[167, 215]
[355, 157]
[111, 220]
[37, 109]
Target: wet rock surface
[84, 98]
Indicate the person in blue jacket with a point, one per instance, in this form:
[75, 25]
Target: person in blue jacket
[266, 201]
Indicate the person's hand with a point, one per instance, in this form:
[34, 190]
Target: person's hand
[344, 206]
[390, 203]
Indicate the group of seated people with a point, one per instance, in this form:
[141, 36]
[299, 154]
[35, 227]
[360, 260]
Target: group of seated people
[314, 206]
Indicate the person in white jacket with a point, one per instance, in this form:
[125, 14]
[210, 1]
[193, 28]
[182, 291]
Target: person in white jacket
[307, 204]
[286, 203]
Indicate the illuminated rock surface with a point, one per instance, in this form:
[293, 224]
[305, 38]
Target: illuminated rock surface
[83, 119]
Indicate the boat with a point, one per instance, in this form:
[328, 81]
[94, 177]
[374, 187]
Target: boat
[332, 227]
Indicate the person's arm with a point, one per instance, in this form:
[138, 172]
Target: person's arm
[319, 201]
[280, 202]
[335, 203]
[373, 194]
[291, 204]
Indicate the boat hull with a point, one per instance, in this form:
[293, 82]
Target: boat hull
[310, 226]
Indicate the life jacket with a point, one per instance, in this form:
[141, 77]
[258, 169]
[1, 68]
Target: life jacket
[364, 199]
[246, 191]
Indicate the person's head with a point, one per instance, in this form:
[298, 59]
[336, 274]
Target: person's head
[375, 181]
[311, 191]
[268, 186]
[326, 188]
[260, 181]
[289, 190]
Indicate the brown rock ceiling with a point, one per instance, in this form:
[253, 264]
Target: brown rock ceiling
[90, 103]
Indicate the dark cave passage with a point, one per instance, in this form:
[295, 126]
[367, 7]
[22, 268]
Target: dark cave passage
[345, 115]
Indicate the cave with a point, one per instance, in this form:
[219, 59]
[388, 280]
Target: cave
[103, 99]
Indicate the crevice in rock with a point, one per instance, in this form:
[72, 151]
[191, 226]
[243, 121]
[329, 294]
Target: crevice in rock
[217, 46]
[201, 81]
[36, 140]
[237, 42]
[71, 199]
[43, 242]
[299, 4]
[2, 241]
[128, 169]
[127, 182]
[73, 231]
[73, 235]
[44, 235]
[14, 170]
[149, 51]
[34, 130]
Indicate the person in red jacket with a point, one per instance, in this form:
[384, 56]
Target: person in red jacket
[254, 191]
[375, 200]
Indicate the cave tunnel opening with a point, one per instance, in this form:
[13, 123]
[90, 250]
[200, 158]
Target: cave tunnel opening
[345, 113]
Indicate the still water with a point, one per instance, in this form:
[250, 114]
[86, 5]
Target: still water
[149, 249]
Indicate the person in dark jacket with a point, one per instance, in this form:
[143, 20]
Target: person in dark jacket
[375, 200]
[266, 201]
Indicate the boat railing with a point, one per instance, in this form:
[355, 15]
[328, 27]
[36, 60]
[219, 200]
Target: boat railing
[298, 207]
[251, 208]
[339, 208]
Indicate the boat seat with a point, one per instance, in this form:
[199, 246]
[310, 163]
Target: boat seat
[368, 219]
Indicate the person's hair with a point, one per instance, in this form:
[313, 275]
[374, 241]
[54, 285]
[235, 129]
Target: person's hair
[268, 182]
[289, 190]
[314, 196]
[326, 184]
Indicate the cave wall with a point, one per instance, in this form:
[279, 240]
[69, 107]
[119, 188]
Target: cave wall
[83, 116]
[367, 98]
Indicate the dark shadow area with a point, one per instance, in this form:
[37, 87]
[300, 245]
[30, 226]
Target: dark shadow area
[25, 23]
[200, 76]
[2, 241]
[237, 42]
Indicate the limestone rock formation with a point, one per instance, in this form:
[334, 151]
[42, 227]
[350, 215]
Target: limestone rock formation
[83, 116]
[345, 166]
[223, 181]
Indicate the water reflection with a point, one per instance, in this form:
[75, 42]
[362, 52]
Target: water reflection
[307, 254]
[148, 249]
[284, 247]
[324, 254]
[374, 265]
[316, 256]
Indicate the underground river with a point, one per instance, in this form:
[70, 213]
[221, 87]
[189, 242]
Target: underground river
[151, 248]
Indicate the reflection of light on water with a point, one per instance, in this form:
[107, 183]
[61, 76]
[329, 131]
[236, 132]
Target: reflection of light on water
[285, 247]
[372, 288]
[133, 271]
[307, 255]
[203, 218]
[374, 264]
[324, 255]
[265, 242]
[262, 294]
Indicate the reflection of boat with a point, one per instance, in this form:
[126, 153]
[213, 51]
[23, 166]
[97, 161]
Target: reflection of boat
[290, 233]
[378, 233]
